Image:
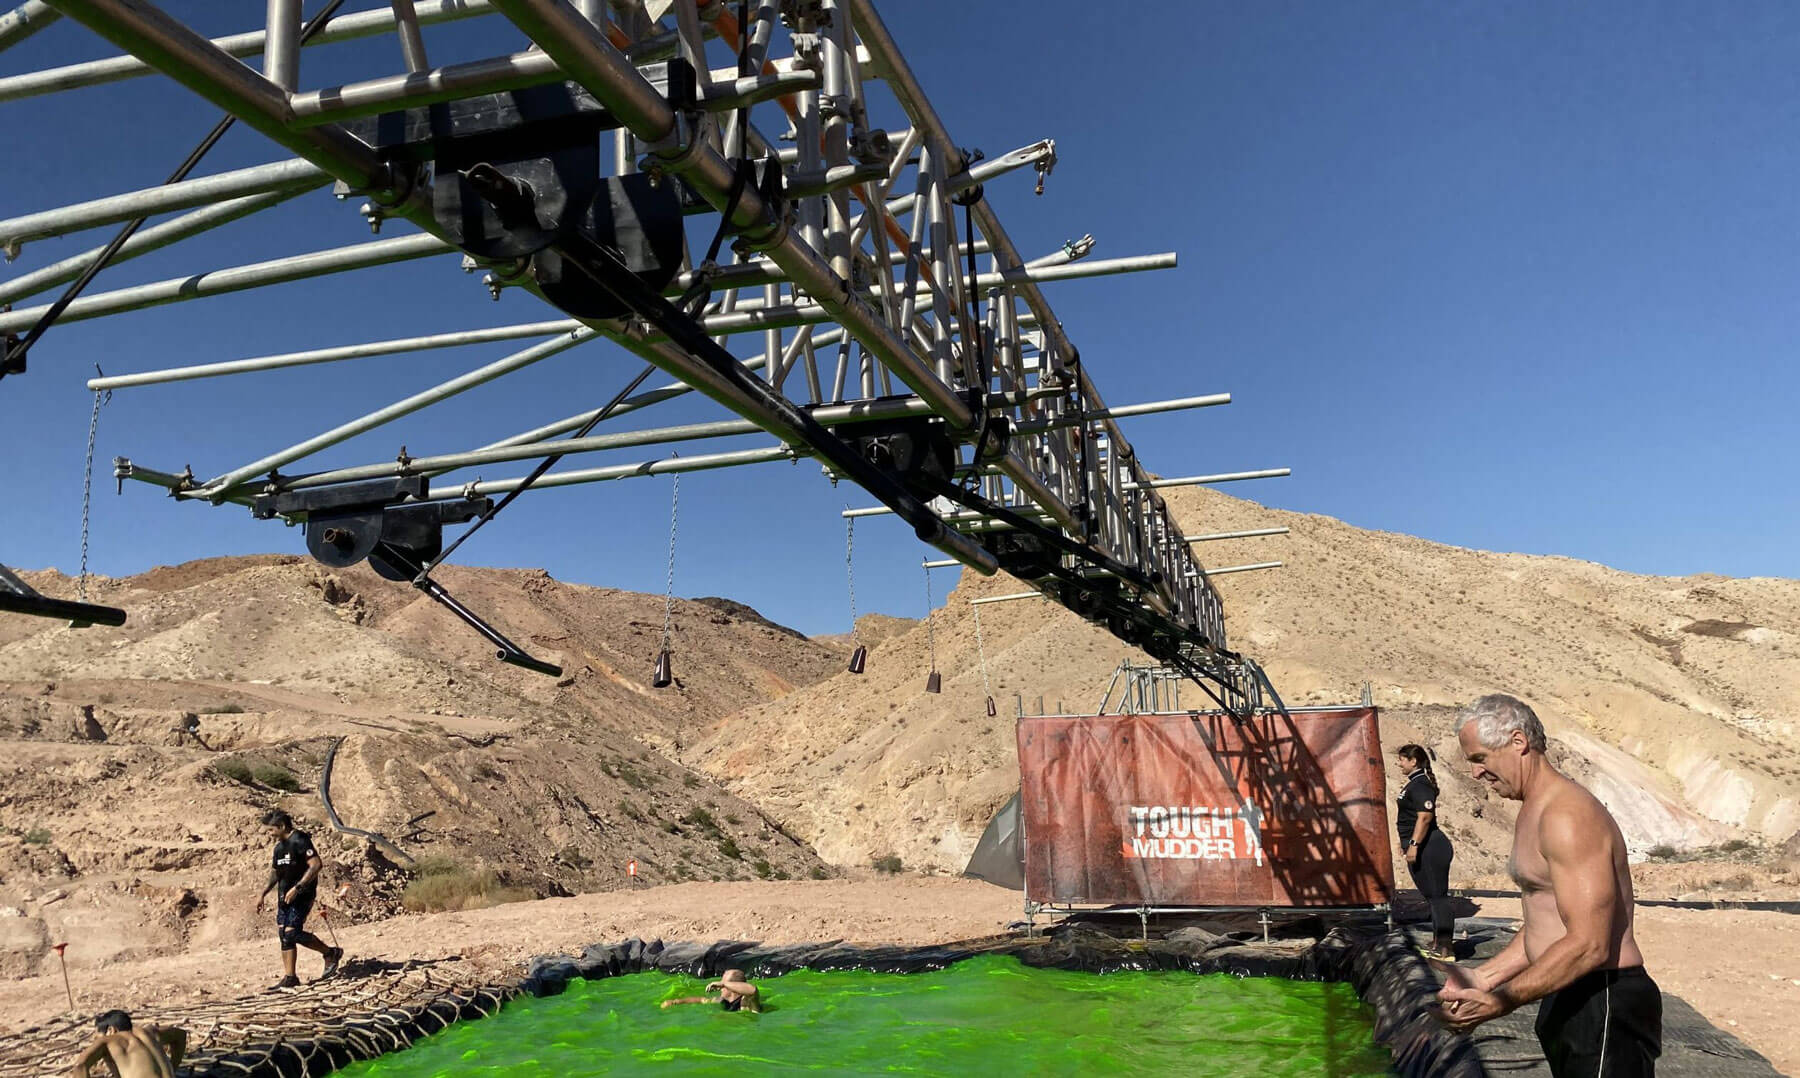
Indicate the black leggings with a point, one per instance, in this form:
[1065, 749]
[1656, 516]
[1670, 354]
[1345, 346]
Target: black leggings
[1431, 875]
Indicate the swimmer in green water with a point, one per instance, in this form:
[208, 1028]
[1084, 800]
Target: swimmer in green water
[735, 993]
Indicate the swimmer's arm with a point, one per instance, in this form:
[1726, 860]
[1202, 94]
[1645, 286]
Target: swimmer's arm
[174, 1041]
[95, 1053]
[1579, 849]
[688, 999]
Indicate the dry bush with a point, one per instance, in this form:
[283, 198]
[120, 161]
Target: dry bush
[275, 777]
[442, 883]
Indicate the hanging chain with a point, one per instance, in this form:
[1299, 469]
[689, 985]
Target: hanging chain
[930, 633]
[850, 567]
[87, 485]
[981, 650]
[669, 594]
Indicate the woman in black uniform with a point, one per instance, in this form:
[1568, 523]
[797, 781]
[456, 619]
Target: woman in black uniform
[1427, 848]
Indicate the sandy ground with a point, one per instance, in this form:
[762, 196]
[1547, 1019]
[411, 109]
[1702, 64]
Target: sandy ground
[1739, 968]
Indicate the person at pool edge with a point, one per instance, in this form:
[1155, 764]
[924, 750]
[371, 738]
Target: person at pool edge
[1599, 1013]
[295, 869]
[1427, 848]
[132, 1052]
[735, 993]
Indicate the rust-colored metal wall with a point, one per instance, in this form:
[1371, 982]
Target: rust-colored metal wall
[1201, 809]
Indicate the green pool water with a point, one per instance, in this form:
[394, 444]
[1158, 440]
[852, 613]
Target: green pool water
[983, 1016]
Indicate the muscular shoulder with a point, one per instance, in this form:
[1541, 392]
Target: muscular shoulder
[1574, 820]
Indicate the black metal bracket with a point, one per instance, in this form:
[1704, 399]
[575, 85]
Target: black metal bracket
[11, 362]
[389, 522]
[397, 564]
[18, 597]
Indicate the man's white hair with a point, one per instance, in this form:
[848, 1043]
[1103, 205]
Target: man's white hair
[1497, 715]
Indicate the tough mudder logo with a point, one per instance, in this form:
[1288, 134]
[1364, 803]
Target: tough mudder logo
[1192, 833]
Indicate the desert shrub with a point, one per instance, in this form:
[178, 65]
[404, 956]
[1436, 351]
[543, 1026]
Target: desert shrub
[690, 780]
[275, 777]
[38, 836]
[1736, 845]
[763, 869]
[630, 811]
[729, 848]
[818, 873]
[224, 709]
[887, 865]
[1661, 853]
[442, 883]
[626, 771]
[699, 817]
[254, 772]
[234, 769]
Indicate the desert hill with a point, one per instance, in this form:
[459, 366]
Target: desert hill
[1674, 699]
[116, 828]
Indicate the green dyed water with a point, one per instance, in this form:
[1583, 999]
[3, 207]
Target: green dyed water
[985, 1016]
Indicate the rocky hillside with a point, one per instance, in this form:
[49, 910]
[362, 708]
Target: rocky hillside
[118, 828]
[1676, 700]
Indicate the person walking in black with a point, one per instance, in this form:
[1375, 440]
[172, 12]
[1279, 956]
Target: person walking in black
[295, 870]
[1427, 848]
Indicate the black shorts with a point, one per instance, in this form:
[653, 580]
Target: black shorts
[1607, 1024]
[290, 918]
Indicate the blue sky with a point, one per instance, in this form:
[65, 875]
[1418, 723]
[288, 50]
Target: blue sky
[1518, 277]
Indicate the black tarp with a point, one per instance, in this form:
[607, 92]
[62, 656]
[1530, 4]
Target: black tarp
[999, 857]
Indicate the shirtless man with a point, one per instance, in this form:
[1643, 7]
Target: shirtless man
[150, 1052]
[1600, 1013]
[734, 994]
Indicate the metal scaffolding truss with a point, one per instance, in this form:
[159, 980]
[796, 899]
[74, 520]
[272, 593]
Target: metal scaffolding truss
[903, 340]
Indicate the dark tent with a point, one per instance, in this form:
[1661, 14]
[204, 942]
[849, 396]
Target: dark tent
[999, 857]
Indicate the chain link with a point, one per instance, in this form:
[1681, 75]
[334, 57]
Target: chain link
[930, 633]
[669, 594]
[981, 650]
[101, 397]
[850, 567]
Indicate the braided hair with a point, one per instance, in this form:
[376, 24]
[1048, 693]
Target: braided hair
[1421, 756]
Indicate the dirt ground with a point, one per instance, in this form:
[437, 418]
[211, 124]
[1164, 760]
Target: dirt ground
[1739, 968]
